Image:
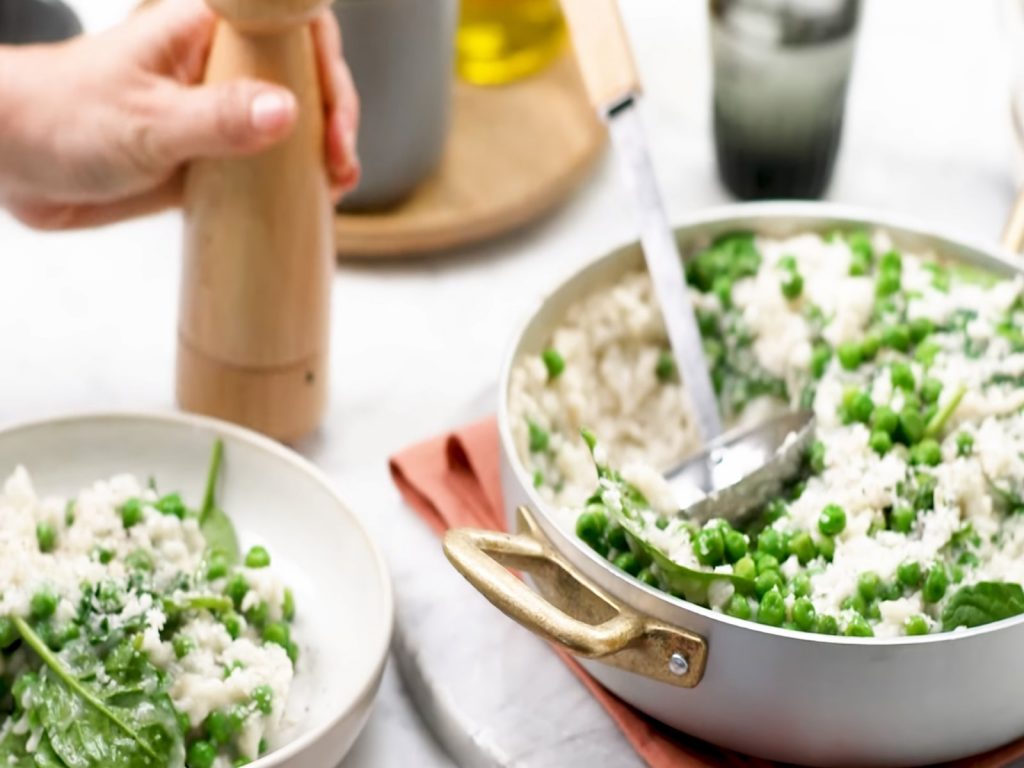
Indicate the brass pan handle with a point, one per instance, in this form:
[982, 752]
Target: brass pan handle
[568, 609]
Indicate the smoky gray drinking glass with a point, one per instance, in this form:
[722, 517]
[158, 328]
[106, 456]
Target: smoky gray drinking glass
[401, 53]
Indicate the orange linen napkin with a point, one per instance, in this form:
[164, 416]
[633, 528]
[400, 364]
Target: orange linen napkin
[453, 481]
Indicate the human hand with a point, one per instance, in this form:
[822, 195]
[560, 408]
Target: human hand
[99, 129]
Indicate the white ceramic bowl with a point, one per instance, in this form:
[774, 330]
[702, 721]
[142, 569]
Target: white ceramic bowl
[275, 498]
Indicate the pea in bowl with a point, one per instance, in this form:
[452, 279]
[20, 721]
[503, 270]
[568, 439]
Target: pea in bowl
[882, 588]
[176, 591]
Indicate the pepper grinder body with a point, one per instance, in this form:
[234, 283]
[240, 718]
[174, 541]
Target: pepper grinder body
[254, 322]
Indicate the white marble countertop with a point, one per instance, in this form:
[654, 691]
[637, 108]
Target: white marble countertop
[87, 319]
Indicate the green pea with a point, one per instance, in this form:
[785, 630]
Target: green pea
[709, 547]
[647, 576]
[931, 389]
[745, 568]
[43, 604]
[293, 652]
[257, 557]
[277, 633]
[707, 321]
[849, 354]
[216, 565]
[891, 591]
[69, 513]
[258, 615]
[926, 352]
[617, 538]
[912, 425]
[964, 444]
[859, 264]
[538, 437]
[201, 754]
[827, 547]
[792, 285]
[591, 525]
[171, 504]
[628, 562]
[869, 585]
[888, 283]
[926, 452]
[263, 697]
[766, 562]
[816, 457]
[800, 585]
[735, 545]
[787, 262]
[858, 627]
[738, 606]
[902, 518]
[183, 645]
[855, 602]
[956, 573]
[880, 442]
[288, 605]
[221, 727]
[234, 624]
[901, 376]
[767, 581]
[665, 368]
[236, 589]
[46, 536]
[826, 625]
[832, 520]
[896, 337]
[891, 260]
[935, 583]
[802, 545]
[8, 633]
[772, 610]
[820, 357]
[916, 625]
[804, 615]
[770, 542]
[131, 513]
[884, 419]
[870, 344]
[920, 328]
[554, 362]
[538, 478]
[909, 573]
[861, 408]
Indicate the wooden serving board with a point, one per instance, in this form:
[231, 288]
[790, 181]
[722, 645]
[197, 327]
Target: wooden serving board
[513, 153]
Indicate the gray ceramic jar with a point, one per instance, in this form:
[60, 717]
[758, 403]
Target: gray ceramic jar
[401, 54]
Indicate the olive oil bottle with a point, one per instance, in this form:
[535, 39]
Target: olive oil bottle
[499, 41]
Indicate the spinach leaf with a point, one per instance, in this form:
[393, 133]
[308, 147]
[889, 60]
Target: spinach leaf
[14, 752]
[217, 528]
[129, 723]
[982, 603]
[691, 583]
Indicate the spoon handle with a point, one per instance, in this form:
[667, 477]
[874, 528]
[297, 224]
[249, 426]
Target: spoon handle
[605, 59]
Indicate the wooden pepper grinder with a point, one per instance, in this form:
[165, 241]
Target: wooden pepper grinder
[254, 318]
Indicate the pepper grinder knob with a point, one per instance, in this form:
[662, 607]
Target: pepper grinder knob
[254, 316]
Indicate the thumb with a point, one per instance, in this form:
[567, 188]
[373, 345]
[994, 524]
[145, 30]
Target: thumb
[230, 118]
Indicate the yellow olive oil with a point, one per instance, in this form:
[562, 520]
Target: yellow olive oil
[499, 41]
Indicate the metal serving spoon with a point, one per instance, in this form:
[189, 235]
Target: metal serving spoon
[738, 471]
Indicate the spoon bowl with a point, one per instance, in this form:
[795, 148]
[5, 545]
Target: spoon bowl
[740, 471]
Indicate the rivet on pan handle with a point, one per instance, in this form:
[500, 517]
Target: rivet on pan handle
[570, 610]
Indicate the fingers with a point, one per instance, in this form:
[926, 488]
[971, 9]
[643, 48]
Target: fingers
[341, 105]
[59, 216]
[230, 118]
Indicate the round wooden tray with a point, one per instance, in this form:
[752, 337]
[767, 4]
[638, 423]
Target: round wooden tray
[513, 152]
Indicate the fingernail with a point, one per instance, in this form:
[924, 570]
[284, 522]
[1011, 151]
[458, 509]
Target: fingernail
[271, 110]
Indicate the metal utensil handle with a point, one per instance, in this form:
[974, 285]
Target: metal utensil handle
[598, 627]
